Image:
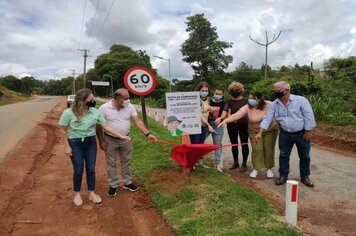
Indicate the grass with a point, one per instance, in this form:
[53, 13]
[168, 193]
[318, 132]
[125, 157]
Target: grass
[205, 202]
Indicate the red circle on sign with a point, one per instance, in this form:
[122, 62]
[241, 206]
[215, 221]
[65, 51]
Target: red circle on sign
[140, 80]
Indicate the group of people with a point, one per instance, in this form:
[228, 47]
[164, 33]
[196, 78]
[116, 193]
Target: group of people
[82, 122]
[289, 116]
[252, 118]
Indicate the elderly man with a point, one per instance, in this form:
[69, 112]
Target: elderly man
[118, 112]
[296, 120]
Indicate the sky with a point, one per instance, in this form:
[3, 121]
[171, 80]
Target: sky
[41, 38]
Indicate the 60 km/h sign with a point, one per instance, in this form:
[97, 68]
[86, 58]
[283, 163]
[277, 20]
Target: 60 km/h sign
[139, 80]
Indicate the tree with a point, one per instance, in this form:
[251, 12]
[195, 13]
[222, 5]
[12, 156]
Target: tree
[202, 50]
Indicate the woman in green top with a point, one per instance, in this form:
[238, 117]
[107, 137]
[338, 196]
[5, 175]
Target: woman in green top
[79, 122]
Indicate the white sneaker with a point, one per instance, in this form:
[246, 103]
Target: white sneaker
[218, 168]
[94, 197]
[270, 173]
[254, 174]
[78, 199]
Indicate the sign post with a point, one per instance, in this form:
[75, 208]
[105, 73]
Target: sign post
[140, 81]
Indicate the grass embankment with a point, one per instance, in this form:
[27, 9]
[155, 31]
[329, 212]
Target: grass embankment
[205, 202]
[8, 96]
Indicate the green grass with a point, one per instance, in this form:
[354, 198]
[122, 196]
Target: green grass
[205, 202]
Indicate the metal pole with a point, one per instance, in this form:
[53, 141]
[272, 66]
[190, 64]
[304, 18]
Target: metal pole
[169, 72]
[85, 64]
[112, 87]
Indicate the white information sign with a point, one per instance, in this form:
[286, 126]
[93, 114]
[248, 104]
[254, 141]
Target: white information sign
[100, 83]
[183, 113]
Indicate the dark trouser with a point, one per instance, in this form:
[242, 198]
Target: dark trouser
[199, 138]
[286, 142]
[83, 150]
[234, 131]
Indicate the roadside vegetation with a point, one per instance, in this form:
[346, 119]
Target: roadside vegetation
[204, 202]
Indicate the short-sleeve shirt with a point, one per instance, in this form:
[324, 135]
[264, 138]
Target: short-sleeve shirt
[234, 106]
[118, 119]
[216, 110]
[83, 128]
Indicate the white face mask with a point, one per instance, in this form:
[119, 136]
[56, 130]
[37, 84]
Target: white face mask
[126, 102]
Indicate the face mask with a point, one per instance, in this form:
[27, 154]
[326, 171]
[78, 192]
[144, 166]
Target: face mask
[126, 102]
[91, 103]
[279, 95]
[235, 93]
[252, 102]
[203, 94]
[218, 97]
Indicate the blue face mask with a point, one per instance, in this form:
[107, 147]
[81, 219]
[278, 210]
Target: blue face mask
[203, 94]
[218, 97]
[252, 102]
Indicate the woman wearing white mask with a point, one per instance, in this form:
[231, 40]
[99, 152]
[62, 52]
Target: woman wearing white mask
[263, 151]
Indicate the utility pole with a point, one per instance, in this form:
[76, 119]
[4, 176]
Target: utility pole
[266, 45]
[73, 72]
[85, 64]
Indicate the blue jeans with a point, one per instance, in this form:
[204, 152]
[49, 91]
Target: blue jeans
[83, 150]
[286, 142]
[217, 139]
[199, 138]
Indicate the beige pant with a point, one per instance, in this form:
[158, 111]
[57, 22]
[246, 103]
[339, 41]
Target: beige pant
[263, 152]
[124, 149]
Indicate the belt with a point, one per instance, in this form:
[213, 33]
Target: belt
[82, 139]
[297, 132]
[111, 136]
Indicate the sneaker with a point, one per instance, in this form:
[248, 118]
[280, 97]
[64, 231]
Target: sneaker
[112, 192]
[131, 187]
[254, 174]
[270, 173]
[78, 199]
[218, 168]
[243, 167]
[94, 197]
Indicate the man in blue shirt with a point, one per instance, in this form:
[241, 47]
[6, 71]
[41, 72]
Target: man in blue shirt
[296, 120]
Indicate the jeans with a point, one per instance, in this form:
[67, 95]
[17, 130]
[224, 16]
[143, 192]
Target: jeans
[199, 138]
[83, 150]
[286, 142]
[217, 139]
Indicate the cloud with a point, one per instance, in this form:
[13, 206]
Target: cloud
[41, 37]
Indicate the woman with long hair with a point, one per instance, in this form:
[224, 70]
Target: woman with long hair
[262, 151]
[79, 122]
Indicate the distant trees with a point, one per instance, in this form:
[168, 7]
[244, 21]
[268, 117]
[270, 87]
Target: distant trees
[202, 50]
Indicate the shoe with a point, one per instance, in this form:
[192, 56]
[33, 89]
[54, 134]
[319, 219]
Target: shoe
[281, 180]
[234, 165]
[270, 173]
[307, 182]
[199, 162]
[95, 197]
[131, 187]
[78, 199]
[254, 174]
[218, 168]
[112, 192]
[243, 167]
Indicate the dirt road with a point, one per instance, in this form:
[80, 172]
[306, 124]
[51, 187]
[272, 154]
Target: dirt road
[327, 209]
[36, 193]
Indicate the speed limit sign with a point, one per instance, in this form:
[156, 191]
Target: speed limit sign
[140, 80]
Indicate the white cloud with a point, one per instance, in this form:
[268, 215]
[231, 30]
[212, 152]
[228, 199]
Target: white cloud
[41, 37]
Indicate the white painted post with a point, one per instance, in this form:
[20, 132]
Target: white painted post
[156, 116]
[291, 202]
[164, 120]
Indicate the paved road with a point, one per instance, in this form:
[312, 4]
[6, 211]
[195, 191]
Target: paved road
[329, 207]
[19, 118]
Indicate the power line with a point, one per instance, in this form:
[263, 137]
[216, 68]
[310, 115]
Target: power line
[92, 24]
[81, 29]
[102, 27]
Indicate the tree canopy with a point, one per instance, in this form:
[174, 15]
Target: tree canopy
[202, 50]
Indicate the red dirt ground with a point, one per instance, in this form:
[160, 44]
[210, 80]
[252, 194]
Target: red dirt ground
[36, 193]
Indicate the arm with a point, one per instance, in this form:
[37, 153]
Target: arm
[141, 126]
[236, 116]
[221, 118]
[309, 119]
[204, 121]
[114, 132]
[67, 148]
[267, 119]
[100, 135]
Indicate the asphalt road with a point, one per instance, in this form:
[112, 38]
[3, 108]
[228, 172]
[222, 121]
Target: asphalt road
[19, 118]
